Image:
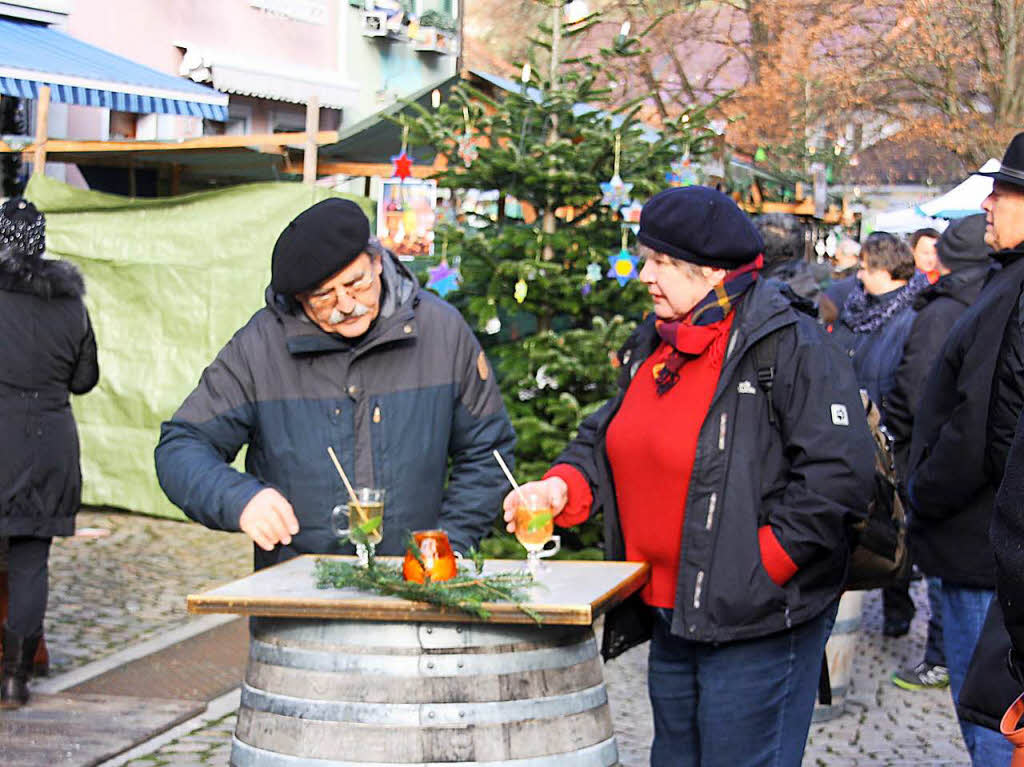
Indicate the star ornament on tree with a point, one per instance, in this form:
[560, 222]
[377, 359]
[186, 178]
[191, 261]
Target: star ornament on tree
[623, 266]
[615, 192]
[403, 165]
[682, 172]
[442, 279]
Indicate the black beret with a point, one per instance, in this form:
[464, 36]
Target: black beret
[319, 242]
[700, 225]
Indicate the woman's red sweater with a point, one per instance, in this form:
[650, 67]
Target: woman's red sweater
[651, 445]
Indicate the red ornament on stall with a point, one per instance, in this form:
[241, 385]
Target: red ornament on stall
[403, 165]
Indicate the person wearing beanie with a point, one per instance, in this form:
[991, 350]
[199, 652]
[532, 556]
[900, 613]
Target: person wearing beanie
[349, 353]
[49, 353]
[734, 460]
[963, 261]
[965, 420]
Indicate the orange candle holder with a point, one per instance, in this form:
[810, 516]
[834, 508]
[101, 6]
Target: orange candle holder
[438, 558]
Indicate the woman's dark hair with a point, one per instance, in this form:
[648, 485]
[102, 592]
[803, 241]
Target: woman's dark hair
[882, 250]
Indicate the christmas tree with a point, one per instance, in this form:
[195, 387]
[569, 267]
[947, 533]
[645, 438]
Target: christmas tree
[548, 277]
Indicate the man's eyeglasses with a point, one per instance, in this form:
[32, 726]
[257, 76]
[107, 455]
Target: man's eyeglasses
[325, 298]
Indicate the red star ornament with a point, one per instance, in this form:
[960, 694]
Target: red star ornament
[403, 165]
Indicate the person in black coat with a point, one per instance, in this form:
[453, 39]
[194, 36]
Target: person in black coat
[1005, 216]
[964, 260]
[950, 484]
[49, 352]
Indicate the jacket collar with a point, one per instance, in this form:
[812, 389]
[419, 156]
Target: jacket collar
[767, 306]
[956, 285]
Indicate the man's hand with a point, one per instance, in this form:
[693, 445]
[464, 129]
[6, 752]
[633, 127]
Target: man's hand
[553, 490]
[268, 519]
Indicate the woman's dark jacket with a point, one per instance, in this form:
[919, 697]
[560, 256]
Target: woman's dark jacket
[876, 354]
[48, 351]
[938, 308]
[809, 476]
[950, 492]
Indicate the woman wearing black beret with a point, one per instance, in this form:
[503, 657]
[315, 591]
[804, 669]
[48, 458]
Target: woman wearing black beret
[734, 459]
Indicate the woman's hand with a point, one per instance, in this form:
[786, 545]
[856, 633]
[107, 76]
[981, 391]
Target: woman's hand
[551, 492]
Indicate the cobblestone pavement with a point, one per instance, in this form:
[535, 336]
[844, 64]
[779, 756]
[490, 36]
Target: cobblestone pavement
[112, 592]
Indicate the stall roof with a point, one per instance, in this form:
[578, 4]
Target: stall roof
[32, 55]
[376, 138]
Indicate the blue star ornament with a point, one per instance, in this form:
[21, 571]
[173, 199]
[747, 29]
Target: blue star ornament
[615, 192]
[442, 279]
[623, 266]
[682, 172]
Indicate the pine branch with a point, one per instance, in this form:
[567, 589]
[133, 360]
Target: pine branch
[467, 593]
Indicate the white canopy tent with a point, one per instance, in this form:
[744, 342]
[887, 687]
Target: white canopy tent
[965, 198]
[907, 220]
[962, 200]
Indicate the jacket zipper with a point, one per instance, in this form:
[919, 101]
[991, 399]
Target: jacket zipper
[697, 590]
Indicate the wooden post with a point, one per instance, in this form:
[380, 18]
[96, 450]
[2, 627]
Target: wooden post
[42, 118]
[309, 157]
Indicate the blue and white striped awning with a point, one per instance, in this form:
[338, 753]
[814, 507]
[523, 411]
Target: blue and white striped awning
[78, 73]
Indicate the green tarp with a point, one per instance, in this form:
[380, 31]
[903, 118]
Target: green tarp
[168, 281]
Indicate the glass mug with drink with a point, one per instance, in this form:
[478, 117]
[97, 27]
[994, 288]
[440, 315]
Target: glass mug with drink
[534, 527]
[367, 505]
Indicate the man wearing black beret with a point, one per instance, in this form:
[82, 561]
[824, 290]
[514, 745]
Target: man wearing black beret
[348, 353]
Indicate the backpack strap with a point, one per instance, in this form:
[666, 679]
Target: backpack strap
[765, 352]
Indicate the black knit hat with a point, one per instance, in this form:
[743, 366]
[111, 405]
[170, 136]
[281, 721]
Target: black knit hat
[963, 243]
[22, 228]
[1011, 170]
[319, 242]
[700, 225]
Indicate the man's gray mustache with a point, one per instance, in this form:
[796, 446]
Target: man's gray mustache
[339, 316]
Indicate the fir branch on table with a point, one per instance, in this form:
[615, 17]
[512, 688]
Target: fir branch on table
[467, 593]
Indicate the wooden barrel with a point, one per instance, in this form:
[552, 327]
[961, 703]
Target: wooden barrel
[840, 651]
[335, 693]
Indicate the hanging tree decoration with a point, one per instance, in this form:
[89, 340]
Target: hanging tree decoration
[682, 172]
[443, 279]
[520, 291]
[631, 215]
[403, 160]
[615, 192]
[623, 263]
[467, 150]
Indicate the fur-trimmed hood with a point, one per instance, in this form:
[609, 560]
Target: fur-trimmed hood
[41, 277]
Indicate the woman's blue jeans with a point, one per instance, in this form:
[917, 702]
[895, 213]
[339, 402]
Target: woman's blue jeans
[736, 704]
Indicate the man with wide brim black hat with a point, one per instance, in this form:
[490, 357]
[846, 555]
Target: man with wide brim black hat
[350, 354]
[1004, 218]
[964, 424]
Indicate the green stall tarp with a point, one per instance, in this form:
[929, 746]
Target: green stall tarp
[168, 282]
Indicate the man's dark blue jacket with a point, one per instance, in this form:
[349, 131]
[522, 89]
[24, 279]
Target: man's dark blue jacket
[412, 406]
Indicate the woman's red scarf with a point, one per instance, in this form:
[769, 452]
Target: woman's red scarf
[690, 336]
